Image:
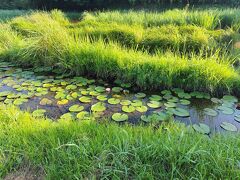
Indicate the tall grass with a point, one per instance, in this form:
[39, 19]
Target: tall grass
[47, 42]
[86, 150]
[208, 18]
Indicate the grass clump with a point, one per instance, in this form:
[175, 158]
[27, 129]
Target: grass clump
[176, 38]
[84, 149]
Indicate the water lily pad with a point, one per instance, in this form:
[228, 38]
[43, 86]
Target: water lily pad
[76, 108]
[155, 98]
[230, 98]
[128, 109]
[85, 92]
[117, 89]
[67, 116]
[45, 101]
[140, 95]
[13, 96]
[120, 117]
[228, 126]
[136, 103]
[142, 109]
[85, 99]
[173, 99]
[184, 95]
[5, 93]
[210, 112]
[113, 101]
[100, 89]
[237, 118]
[84, 115]
[98, 107]
[216, 100]
[102, 97]
[226, 110]
[125, 102]
[19, 101]
[202, 128]
[154, 104]
[164, 92]
[145, 118]
[63, 102]
[181, 112]
[170, 104]
[162, 116]
[39, 113]
[185, 102]
[75, 95]
[94, 93]
[60, 95]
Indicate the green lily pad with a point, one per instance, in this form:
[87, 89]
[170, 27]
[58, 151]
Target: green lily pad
[142, 109]
[201, 128]
[60, 95]
[5, 93]
[67, 116]
[140, 95]
[120, 117]
[155, 98]
[164, 92]
[228, 126]
[237, 118]
[117, 89]
[98, 107]
[113, 101]
[45, 101]
[85, 93]
[174, 99]
[230, 98]
[100, 89]
[170, 104]
[145, 118]
[216, 100]
[154, 104]
[76, 108]
[181, 112]
[128, 109]
[210, 112]
[125, 102]
[162, 116]
[94, 93]
[75, 95]
[102, 97]
[84, 115]
[13, 96]
[185, 102]
[19, 101]
[184, 95]
[85, 99]
[63, 102]
[136, 103]
[226, 110]
[39, 113]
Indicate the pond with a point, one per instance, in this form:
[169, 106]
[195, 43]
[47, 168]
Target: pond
[82, 98]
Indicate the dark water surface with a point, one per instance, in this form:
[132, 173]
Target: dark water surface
[12, 77]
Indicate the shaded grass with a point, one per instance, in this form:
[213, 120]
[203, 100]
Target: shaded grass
[83, 149]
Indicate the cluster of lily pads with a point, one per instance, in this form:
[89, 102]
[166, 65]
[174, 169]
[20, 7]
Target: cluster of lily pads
[90, 100]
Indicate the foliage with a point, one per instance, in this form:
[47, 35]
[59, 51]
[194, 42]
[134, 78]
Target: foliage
[70, 149]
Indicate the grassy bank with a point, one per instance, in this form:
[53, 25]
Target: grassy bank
[82, 149]
[44, 39]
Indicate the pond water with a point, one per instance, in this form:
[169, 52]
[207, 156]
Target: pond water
[80, 98]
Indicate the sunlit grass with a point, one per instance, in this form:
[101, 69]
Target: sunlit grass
[70, 149]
